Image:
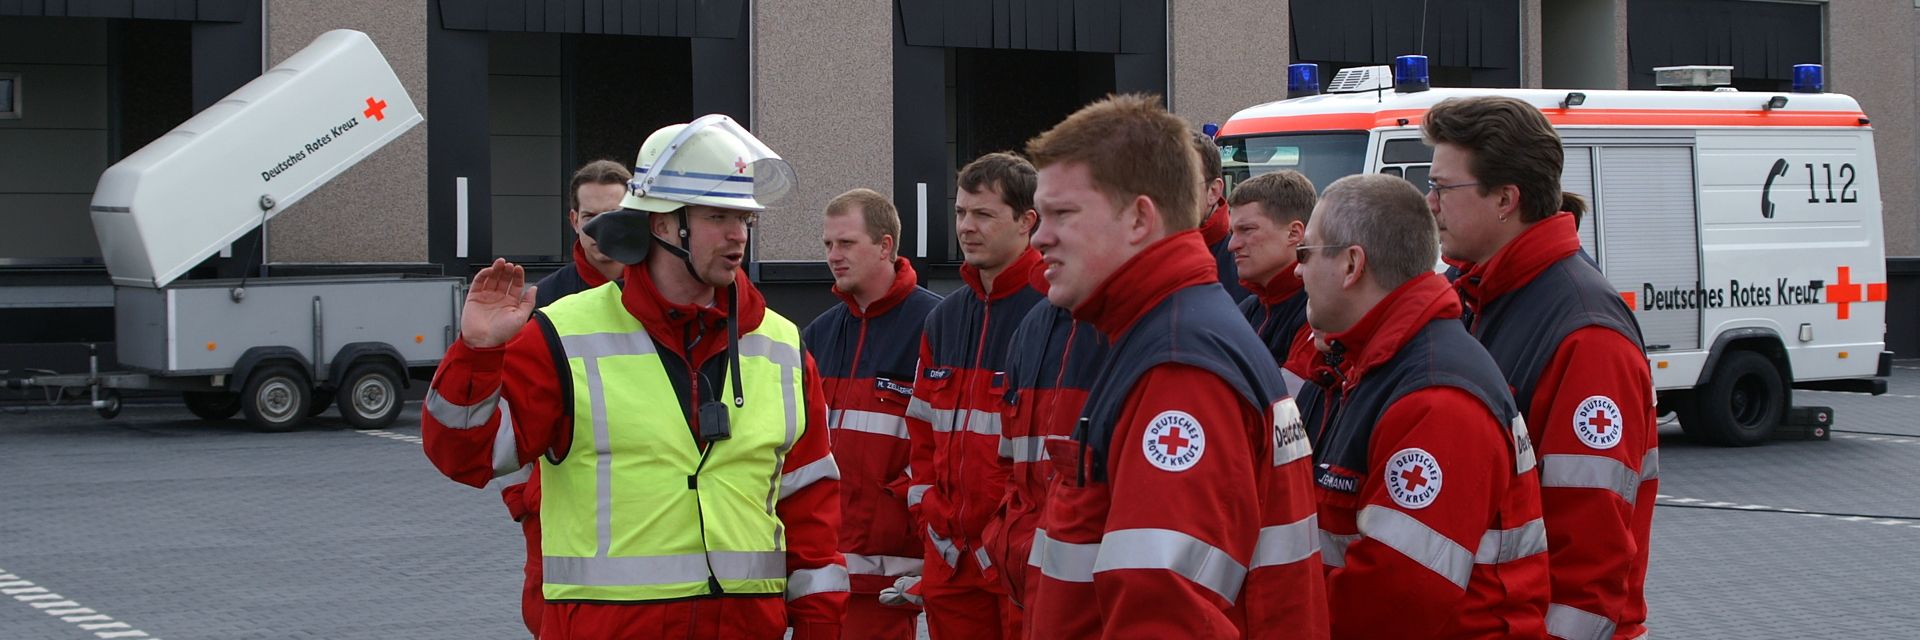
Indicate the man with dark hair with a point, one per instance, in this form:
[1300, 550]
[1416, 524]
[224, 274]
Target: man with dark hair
[1269, 215]
[1428, 499]
[1568, 346]
[1216, 228]
[865, 349]
[955, 417]
[596, 188]
[1182, 506]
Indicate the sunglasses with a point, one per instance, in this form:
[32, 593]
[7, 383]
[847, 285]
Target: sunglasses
[1301, 252]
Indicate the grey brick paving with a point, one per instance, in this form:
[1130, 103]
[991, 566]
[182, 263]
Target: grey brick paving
[187, 530]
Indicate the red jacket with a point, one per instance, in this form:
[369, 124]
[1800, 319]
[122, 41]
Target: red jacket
[1145, 553]
[1053, 360]
[958, 401]
[523, 373]
[866, 358]
[1398, 558]
[1597, 537]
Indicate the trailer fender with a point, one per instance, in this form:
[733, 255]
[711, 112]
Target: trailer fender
[367, 351]
[243, 368]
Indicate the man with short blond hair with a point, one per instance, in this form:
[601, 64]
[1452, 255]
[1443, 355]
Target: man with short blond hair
[865, 349]
[1269, 217]
[1181, 506]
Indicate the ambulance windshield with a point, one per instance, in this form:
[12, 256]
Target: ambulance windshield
[1323, 157]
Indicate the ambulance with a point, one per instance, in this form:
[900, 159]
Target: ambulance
[1743, 228]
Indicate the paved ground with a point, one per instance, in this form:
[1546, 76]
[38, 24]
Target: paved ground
[156, 525]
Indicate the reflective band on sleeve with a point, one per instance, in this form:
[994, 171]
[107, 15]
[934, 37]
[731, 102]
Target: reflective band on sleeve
[828, 579]
[919, 410]
[760, 346]
[1287, 543]
[500, 483]
[459, 416]
[1568, 623]
[948, 552]
[1565, 471]
[1418, 542]
[873, 422]
[1169, 550]
[506, 449]
[890, 566]
[653, 570]
[1024, 449]
[1063, 561]
[915, 493]
[1650, 465]
[803, 477]
[980, 556]
[1506, 545]
[1333, 547]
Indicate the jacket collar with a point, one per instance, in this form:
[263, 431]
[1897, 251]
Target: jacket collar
[1164, 267]
[1513, 266]
[904, 282]
[1278, 288]
[675, 325]
[1386, 328]
[1217, 226]
[1011, 279]
[588, 273]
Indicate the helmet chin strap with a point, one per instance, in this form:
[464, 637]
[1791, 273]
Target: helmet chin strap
[684, 250]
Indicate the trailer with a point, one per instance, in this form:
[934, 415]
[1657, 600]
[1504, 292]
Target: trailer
[278, 349]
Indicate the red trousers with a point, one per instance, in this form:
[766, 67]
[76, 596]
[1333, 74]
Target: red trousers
[867, 619]
[965, 603]
[532, 600]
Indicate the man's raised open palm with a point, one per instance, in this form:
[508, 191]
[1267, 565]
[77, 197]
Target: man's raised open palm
[498, 304]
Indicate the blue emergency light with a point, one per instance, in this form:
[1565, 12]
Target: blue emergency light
[1211, 130]
[1303, 79]
[1410, 74]
[1808, 78]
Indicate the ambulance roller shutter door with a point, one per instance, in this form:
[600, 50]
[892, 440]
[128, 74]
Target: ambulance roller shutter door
[1650, 233]
[1576, 176]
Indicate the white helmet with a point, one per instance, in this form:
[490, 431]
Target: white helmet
[711, 161]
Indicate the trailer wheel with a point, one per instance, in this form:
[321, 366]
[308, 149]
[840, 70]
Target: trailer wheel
[109, 404]
[276, 397]
[369, 397]
[212, 406]
[1740, 405]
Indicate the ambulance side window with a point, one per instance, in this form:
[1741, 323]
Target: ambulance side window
[1408, 158]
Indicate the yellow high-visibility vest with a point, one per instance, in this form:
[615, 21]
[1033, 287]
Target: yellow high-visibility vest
[635, 512]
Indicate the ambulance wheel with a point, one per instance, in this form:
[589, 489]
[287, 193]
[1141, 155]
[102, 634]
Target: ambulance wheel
[276, 397]
[212, 406]
[369, 397]
[1740, 405]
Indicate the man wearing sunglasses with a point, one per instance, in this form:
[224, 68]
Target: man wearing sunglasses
[1568, 345]
[1428, 502]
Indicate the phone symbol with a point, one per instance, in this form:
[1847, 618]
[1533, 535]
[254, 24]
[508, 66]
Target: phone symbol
[1766, 191]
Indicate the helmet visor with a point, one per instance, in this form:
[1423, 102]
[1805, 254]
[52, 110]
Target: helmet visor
[715, 161]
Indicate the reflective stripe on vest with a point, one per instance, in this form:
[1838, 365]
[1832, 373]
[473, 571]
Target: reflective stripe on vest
[1024, 449]
[986, 423]
[874, 422]
[1440, 554]
[890, 566]
[632, 513]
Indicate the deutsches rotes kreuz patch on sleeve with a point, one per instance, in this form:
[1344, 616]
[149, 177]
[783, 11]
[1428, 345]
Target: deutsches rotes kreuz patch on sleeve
[1174, 441]
[1413, 478]
[1289, 434]
[1597, 422]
